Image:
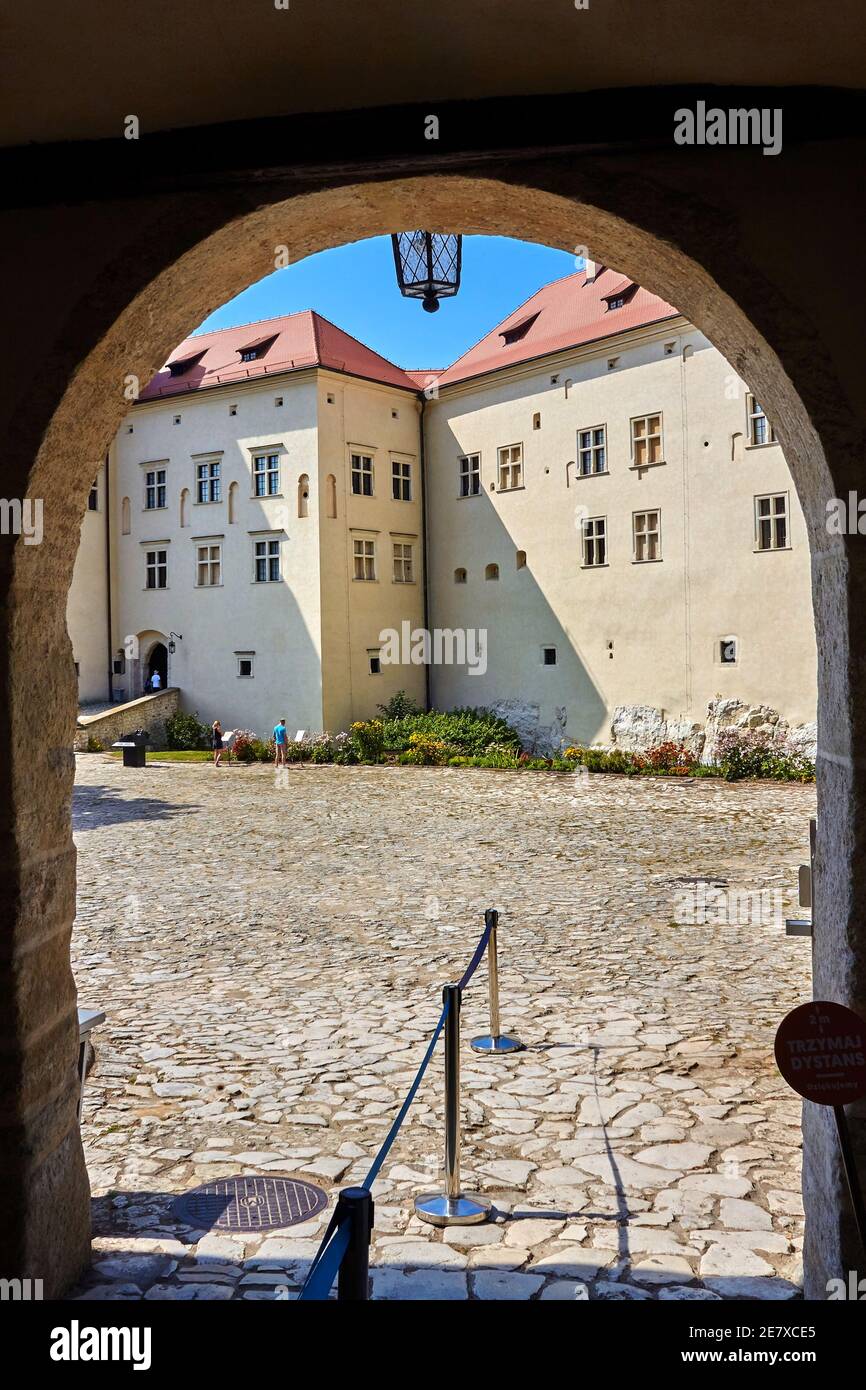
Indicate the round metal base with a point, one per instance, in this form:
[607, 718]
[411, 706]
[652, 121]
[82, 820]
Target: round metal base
[467, 1209]
[498, 1045]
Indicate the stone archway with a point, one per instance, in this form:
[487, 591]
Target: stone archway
[149, 302]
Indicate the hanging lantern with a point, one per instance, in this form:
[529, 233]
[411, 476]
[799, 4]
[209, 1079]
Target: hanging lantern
[428, 266]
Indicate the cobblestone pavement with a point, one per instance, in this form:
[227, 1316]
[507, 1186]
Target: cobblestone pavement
[270, 961]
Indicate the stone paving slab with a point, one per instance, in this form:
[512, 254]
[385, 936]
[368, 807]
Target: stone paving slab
[270, 959]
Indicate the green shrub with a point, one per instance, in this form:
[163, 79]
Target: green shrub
[470, 732]
[400, 706]
[185, 732]
[94, 745]
[368, 739]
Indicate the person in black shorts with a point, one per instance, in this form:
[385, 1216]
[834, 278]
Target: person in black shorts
[217, 743]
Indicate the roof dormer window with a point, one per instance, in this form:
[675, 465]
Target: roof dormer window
[185, 364]
[252, 352]
[619, 294]
[516, 331]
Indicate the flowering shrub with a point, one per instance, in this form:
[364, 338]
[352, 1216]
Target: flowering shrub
[368, 738]
[246, 745]
[671, 757]
[749, 753]
[426, 751]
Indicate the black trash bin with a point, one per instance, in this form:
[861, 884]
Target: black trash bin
[134, 748]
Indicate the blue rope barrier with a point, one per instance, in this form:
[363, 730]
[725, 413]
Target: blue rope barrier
[395, 1128]
[479, 951]
[329, 1256]
[323, 1271]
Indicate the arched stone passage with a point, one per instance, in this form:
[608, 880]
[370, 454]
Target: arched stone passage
[152, 290]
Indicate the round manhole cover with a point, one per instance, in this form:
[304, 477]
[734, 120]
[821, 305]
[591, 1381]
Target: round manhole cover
[250, 1204]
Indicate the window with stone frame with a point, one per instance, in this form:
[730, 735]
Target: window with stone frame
[771, 521]
[208, 572]
[592, 451]
[594, 541]
[401, 481]
[154, 489]
[266, 475]
[646, 441]
[647, 536]
[760, 429]
[362, 475]
[364, 556]
[266, 555]
[510, 467]
[208, 481]
[156, 569]
[403, 566]
[469, 473]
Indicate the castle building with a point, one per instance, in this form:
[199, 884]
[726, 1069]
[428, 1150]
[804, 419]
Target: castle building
[586, 522]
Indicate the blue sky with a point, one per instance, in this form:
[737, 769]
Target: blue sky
[355, 287]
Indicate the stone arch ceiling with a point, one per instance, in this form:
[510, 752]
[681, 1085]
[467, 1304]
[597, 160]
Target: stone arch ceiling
[181, 65]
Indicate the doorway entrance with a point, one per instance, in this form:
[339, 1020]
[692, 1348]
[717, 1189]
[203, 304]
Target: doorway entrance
[157, 665]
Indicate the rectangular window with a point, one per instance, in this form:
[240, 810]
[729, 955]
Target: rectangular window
[771, 521]
[154, 489]
[364, 553]
[728, 651]
[267, 557]
[403, 572]
[93, 499]
[208, 566]
[510, 467]
[245, 666]
[401, 481]
[760, 429]
[647, 536]
[208, 485]
[548, 656]
[592, 451]
[157, 569]
[646, 441]
[266, 475]
[594, 540]
[362, 475]
[470, 475]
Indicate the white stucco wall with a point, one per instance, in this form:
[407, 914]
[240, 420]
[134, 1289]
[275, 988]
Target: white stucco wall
[627, 634]
[277, 623]
[663, 619]
[87, 605]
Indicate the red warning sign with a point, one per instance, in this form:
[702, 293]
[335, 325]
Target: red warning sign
[821, 1052]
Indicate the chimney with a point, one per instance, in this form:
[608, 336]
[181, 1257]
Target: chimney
[592, 270]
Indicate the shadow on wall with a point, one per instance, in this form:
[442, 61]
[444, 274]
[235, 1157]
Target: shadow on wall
[485, 579]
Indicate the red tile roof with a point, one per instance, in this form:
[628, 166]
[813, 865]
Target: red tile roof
[296, 341]
[567, 313]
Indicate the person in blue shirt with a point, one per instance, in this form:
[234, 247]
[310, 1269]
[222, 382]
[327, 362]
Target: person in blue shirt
[280, 741]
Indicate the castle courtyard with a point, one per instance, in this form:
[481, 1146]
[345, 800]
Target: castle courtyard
[270, 961]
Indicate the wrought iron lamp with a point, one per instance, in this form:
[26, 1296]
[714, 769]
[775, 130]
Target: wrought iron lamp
[428, 266]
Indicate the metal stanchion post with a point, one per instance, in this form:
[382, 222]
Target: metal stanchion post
[453, 1207]
[494, 1042]
[353, 1278]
